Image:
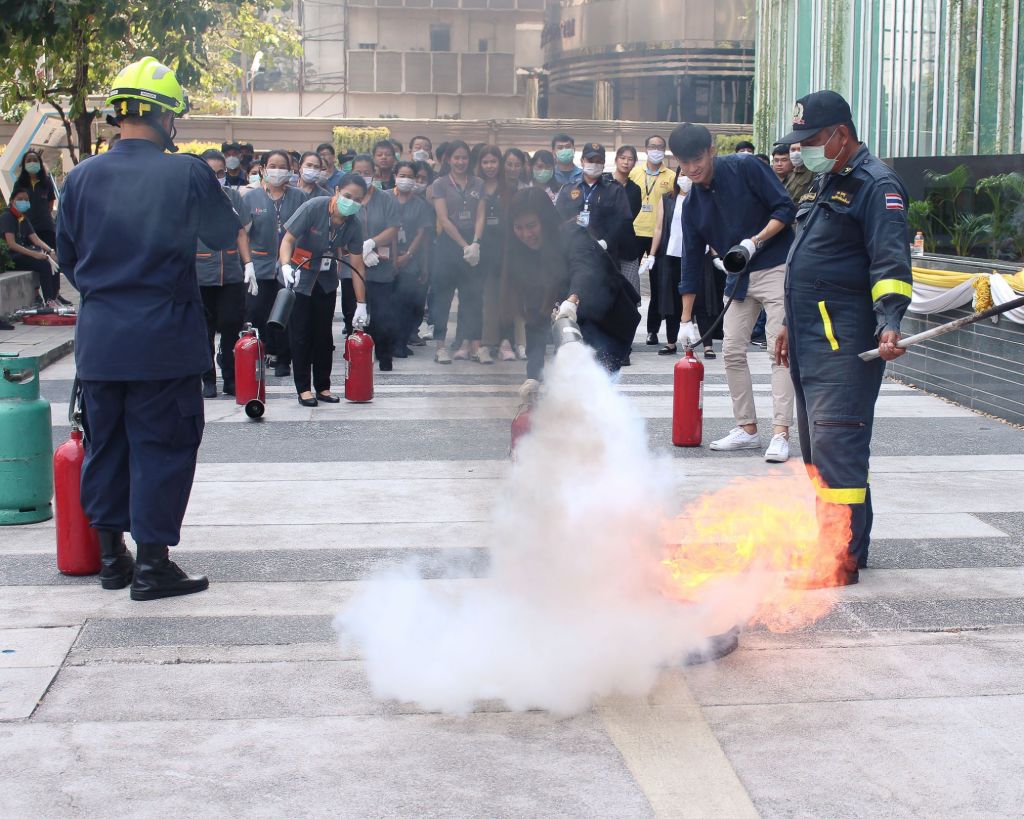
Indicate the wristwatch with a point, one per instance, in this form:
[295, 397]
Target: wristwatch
[758, 243]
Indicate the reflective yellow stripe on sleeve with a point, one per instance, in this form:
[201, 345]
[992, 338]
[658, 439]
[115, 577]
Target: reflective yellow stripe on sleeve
[846, 496]
[827, 321]
[883, 287]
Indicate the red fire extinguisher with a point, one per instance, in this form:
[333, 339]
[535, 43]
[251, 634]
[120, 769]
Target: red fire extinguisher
[250, 375]
[359, 367]
[529, 394]
[687, 401]
[78, 545]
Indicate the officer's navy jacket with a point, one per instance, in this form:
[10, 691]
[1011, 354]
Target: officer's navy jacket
[744, 195]
[852, 235]
[126, 239]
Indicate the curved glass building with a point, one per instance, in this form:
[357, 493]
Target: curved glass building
[652, 60]
[923, 77]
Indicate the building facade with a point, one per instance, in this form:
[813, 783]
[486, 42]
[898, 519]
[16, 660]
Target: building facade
[923, 77]
[411, 59]
[665, 60]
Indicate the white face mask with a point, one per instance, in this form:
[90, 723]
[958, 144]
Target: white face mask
[592, 169]
[310, 175]
[405, 184]
[684, 183]
[277, 176]
[368, 180]
[232, 163]
[419, 187]
[420, 155]
[655, 157]
[324, 176]
[796, 158]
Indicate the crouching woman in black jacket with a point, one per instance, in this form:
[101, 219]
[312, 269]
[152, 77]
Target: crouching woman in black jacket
[556, 264]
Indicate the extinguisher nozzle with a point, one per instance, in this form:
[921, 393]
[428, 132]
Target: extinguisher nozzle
[281, 312]
[254, 409]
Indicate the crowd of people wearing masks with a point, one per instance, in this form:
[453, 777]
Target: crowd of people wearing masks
[399, 233]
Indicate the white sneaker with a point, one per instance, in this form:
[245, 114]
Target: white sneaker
[738, 438]
[778, 450]
[521, 352]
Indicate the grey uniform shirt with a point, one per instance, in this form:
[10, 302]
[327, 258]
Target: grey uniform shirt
[462, 203]
[311, 226]
[375, 216]
[415, 215]
[269, 217]
[219, 267]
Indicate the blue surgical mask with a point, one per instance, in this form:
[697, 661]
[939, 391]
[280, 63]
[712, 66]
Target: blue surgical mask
[33, 167]
[254, 179]
[293, 179]
[347, 207]
[22, 205]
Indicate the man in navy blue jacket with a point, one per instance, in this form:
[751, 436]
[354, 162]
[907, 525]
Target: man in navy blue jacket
[126, 238]
[736, 200]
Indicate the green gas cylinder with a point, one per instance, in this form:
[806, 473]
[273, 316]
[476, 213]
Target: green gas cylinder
[26, 443]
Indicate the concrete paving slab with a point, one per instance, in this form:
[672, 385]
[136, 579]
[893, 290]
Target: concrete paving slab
[955, 666]
[500, 765]
[35, 647]
[947, 757]
[21, 689]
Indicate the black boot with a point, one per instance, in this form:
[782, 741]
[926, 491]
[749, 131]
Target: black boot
[156, 575]
[116, 561]
[209, 384]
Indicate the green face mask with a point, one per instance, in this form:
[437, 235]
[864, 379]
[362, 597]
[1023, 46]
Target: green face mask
[814, 157]
[346, 167]
[32, 167]
[543, 176]
[565, 155]
[348, 207]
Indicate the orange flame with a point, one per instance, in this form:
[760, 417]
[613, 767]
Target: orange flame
[733, 551]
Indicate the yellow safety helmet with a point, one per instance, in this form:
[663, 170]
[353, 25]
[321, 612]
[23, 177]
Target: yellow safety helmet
[147, 87]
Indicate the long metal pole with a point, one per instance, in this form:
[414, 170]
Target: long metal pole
[949, 327]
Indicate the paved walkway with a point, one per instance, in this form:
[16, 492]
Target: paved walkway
[905, 701]
[48, 344]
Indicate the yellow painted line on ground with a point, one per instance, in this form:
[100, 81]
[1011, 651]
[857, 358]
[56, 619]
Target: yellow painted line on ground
[673, 755]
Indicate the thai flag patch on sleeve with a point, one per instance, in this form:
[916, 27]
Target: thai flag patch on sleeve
[893, 201]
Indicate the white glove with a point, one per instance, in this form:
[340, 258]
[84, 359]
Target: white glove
[718, 263]
[646, 264]
[360, 319]
[370, 257]
[369, 246]
[603, 243]
[471, 254]
[689, 332]
[53, 264]
[750, 247]
[288, 274]
[249, 276]
[567, 310]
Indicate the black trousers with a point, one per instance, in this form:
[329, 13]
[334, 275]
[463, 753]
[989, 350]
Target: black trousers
[257, 311]
[385, 318]
[225, 308]
[410, 294]
[667, 272]
[451, 273]
[643, 244]
[141, 442]
[537, 335]
[348, 304]
[49, 282]
[312, 339]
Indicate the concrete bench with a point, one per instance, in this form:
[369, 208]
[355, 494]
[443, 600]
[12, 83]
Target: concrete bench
[17, 290]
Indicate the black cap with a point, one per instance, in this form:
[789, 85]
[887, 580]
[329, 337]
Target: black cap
[592, 149]
[230, 146]
[816, 111]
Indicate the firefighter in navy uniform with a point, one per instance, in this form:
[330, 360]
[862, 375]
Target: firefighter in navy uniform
[848, 284]
[126, 237]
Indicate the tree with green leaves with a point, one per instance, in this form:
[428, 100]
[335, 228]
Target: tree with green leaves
[60, 52]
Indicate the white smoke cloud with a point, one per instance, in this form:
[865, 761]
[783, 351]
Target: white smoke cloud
[570, 609]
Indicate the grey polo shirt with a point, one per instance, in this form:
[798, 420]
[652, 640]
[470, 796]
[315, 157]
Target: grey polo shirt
[269, 218]
[462, 203]
[376, 215]
[311, 226]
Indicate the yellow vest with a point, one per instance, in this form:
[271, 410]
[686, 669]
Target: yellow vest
[652, 188]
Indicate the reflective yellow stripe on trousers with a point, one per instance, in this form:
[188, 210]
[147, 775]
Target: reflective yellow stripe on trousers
[846, 496]
[827, 321]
